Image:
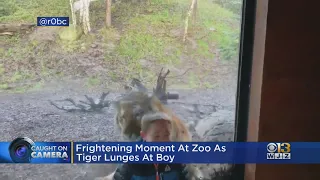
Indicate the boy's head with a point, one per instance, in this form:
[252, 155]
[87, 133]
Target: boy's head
[156, 127]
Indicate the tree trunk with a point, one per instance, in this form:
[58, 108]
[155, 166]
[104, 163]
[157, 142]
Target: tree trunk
[187, 19]
[87, 16]
[83, 16]
[73, 14]
[108, 13]
[194, 14]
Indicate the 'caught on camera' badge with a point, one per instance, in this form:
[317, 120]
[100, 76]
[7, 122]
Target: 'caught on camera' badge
[24, 150]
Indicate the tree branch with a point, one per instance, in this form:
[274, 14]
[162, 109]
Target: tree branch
[160, 91]
[186, 24]
[90, 106]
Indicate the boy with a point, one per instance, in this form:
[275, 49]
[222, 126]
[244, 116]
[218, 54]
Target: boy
[155, 127]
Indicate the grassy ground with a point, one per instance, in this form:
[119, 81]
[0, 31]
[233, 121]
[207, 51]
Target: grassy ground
[144, 37]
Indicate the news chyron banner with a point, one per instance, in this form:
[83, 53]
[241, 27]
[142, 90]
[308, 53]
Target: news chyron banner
[24, 150]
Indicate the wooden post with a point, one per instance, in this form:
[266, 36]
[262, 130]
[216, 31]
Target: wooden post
[187, 20]
[108, 13]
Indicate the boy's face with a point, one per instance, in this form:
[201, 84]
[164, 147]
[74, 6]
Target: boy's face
[158, 132]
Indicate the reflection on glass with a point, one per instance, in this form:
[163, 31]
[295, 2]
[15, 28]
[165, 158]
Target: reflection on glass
[108, 45]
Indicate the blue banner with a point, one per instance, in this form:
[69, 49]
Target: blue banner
[52, 21]
[175, 152]
[197, 152]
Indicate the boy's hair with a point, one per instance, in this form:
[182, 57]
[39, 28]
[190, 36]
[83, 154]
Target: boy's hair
[149, 118]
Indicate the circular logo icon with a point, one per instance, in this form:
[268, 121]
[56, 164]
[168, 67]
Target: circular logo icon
[271, 147]
[20, 150]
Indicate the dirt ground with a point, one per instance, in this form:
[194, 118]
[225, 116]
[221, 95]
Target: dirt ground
[31, 115]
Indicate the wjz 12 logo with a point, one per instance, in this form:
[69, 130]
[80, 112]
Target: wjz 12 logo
[279, 151]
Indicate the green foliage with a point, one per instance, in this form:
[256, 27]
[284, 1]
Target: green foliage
[193, 80]
[27, 11]
[204, 49]
[109, 34]
[144, 35]
[233, 5]
[222, 28]
[141, 31]
[229, 47]
[70, 33]
[93, 81]
[1, 69]
[3, 86]
[136, 45]
[7, 8]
